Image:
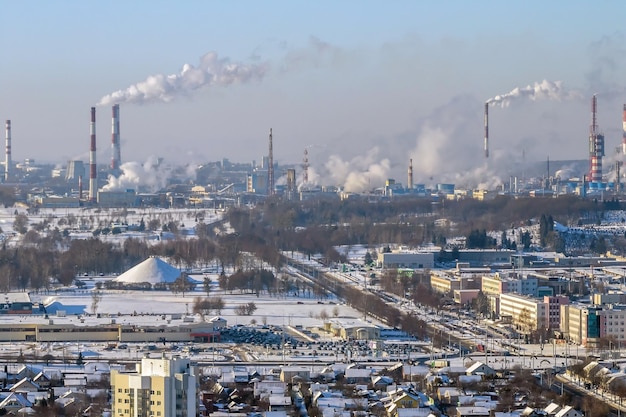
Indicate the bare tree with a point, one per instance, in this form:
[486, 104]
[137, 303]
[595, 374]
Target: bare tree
[246, 309]
[96, 297]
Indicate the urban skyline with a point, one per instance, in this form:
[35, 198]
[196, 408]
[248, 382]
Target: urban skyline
[362, 86]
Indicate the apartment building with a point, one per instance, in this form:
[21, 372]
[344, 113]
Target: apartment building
[526, 313]
[160, 387]
[581, 324]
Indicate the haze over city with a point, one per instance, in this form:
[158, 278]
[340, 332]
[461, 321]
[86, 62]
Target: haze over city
[364, 86]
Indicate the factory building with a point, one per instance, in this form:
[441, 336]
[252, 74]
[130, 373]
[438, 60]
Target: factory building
[257, 182]
[413, 260]
[127, 198]
[480, 257]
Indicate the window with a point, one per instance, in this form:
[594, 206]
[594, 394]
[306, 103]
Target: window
[151, 392]
[158, 392]
[119, 390]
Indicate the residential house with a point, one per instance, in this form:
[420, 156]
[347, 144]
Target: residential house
[472, 411]
[479, 368]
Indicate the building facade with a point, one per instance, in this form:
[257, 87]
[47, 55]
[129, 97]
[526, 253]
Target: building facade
[161, 387]
[526, 313]
[581, 324]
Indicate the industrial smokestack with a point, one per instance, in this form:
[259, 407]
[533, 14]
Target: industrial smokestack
[410, 176]
[305, 167]
[624, 131]
[80, 187]
[93, 187]
[596, 145]
[487, 130]
[270, 168]
[7, 152]
[115, 139]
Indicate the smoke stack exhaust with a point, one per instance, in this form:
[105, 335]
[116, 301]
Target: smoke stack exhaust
[115, 139]
[93, 187]
[410, 176]
[487, 130]
[7, 152]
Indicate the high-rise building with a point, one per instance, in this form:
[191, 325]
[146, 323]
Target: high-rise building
[160, 387]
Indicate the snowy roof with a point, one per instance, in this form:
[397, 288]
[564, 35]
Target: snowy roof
[153, 270]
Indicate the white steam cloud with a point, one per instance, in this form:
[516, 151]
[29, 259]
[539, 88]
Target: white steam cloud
[545, 90]
[565, 173]
[211, 71]
[359, 174]
[149, 176]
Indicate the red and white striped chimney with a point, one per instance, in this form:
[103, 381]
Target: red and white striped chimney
[7, 152]
[93, 186]
[115, 138]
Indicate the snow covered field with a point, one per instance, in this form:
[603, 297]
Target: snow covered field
[81, 222]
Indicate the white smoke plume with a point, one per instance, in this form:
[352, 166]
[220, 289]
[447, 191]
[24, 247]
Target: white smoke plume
[545, 90]
[361, 173]
[150, 176]
[211, 71]
[565, 173]
[479, 178]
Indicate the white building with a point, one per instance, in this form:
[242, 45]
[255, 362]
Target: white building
[527, 314]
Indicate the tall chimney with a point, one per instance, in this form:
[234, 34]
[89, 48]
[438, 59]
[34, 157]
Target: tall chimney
[410, 176]
[305, 167]
[486, 130]
[80, 187]
[624, 131]
[7, 152]
[596, 145]
[93, 186]
[270, 168]
[115, 138]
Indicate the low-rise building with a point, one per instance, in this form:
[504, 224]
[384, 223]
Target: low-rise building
[413, 260]
[528, 314]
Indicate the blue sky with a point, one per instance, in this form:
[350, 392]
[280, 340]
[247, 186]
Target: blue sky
[364, 85]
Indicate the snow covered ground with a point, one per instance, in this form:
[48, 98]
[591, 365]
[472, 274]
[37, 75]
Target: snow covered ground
[81, 222]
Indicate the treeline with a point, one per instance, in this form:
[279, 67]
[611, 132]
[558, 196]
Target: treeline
[318, 226]
[313, 227]
[506, 211]
[35, 266]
